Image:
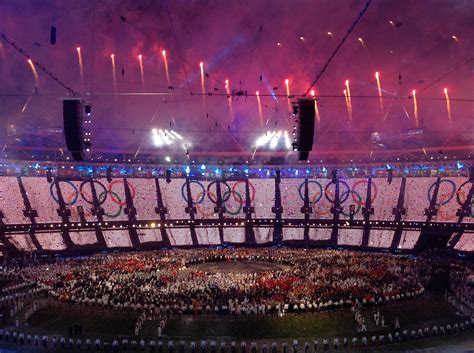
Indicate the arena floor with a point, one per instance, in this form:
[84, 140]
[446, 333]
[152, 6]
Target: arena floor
[106, 324]
[238, 267]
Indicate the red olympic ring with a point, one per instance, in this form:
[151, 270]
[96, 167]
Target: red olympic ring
[252, 193]
[114, 199]
[374, 192]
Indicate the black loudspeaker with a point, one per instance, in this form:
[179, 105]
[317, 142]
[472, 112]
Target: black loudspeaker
[168, 176]
[53, 35]
[49, 175]
[303, 156]
[471, 174]
[73, 127]
[109, 174]
[334, 176]
[305, 127]
[390, 176]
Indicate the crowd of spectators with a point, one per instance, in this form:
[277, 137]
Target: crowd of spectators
[167, 282]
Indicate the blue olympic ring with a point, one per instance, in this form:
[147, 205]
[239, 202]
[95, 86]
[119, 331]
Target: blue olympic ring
[55, 197]
[320, 191]
[185, 197]
[342, 200]
[442, 203]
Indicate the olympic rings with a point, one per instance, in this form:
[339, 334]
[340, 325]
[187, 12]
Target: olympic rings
[317, 197]
[443, 202]
[70, 200]
[252, 194]
[90, 201]
[117, 200]
[358, 203]
[240, 203]
[114, 215]
[209, 193]
[202, 194]
[374, 191]
[459, 192]
[344, 193]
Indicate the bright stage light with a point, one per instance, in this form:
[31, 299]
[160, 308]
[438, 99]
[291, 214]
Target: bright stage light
[274, 141]
[203, 167]
[271, 139]
[167, 137]
[168, 158]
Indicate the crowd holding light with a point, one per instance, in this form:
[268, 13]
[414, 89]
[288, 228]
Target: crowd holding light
[313, 280]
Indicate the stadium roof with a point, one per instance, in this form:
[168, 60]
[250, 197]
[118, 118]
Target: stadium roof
[276, 48]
